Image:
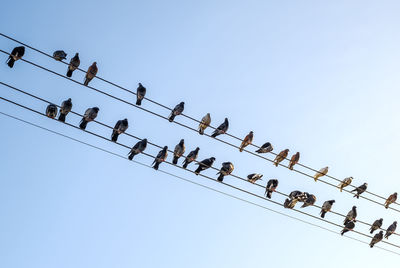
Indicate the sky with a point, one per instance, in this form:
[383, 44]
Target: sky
[316, 77]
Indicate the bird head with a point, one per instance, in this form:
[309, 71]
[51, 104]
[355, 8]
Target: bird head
[212, 159]
[165, 148]
[251, 132]
[144, 140]
[96, 109]
[286, 150]
[354, 207]
[395, 194]
[140, 84]
[182, 103]
[126, 120]
[69, 99]
[381, 220]
[197, 149]
[226, 119]
[94, 63]
[332, 201]
[182, 141]
[395, 223]
[366, 184]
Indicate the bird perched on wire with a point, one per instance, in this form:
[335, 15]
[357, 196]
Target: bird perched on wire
[192, 156]
[226, 169]
[16, 54]
[294, 197]
[204, 123]
[205, 164]
[320, 173]
[91, 73]
[391, 229]
[351, 216]
[140, 93]
[309, 200]
[66, 107]
[120, 127]
[253, 177]
[348, 227]
[294, 160]
[90, 115]
[346, 182]
[51, 111]
[391, 199]
[59, 55]
[246, 141]
[376, 225]
[326, 207]
[272, 184]
[222, 129]
[265, 148]
[179, 151]
[280, 157]
[161, 156]
[360, 189]
[73, 64]
[377, 238]
[176, 111]
[138, 148]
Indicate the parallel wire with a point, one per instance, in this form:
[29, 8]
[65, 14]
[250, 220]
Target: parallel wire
[202, 175]
[184, 115]
[160, 147]
[192, 182]
[193, 129]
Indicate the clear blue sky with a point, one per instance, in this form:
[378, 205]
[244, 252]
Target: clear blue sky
[315, 77]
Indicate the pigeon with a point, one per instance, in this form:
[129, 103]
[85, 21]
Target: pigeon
[391, 229]
[293, 161]
[265, 148]
[377, 238]
[59, 55]
[120, 127]
[176, 111]
[391, 199]
[296, 195]
[222, 129]
[179, 151]
[140, 93]
[16, 54]
[326, 207]
[346, 182]
[351, 216]
[281, 156]
[91, 73]
[360, 189]
[254, 177]
[138, 148]
[246, 141]
[161, 156]
[51, 111]
[205, 164]
[205, 122]
[66, 107]
[73, 64]
[290, 203]
[309, 201]
[320, 173]
[376, 225]
[192, 156]
[348, 227]
[90, 115]
[271, 186]
[226, 169]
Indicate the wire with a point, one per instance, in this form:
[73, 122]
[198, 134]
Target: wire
[202, 175]
[160, 147]
[190, 181]
[188, 127]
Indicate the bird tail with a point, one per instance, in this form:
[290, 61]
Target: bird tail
[220, 178]
[346, 221]
[341, 188]
[201, 131]
[131, 155]
[69, 73]
[114, 136]
[315, 177]
[175, 160]
[61, 117]
[276, 163]
[291, 166]
[185, 164]
[156, 165]
[386, 205]
[343, 231]
[171, 117]
[241, 149]
[323, 214]
[215, 134]
[10, 62]
[83, 124]
[356, 195]
[258, 151]
[269, 193]
[371, 245]
[138, 101]
[372, 230]
[87, 80]
[197, 171]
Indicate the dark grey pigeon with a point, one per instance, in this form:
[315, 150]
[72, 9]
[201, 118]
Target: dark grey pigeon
[360, 190]
[271, 186]
[391, 229]
[138, 148]
[205, 164]
[377, 238]
[192, 156]
[140, 93]
[226, 169]
[265, 148]
[348, 226]
[176, 111]
[16, 54]
[73, 64]
[222, 129]
[120, 127]
[51, 111]
[66, 107]
[351, 216]
[59, 55]
[326, 207]
[179, 151]
[376, 225]
[90, 115]
[161, 156]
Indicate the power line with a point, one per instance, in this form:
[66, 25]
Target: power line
[202, 175]
[188, 127]
[184, 115]
[190, 181]
[160, 147]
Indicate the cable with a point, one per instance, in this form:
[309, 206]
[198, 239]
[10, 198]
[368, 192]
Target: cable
[202, 175]
[189, 181]
[188, 127]
[160, 147]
